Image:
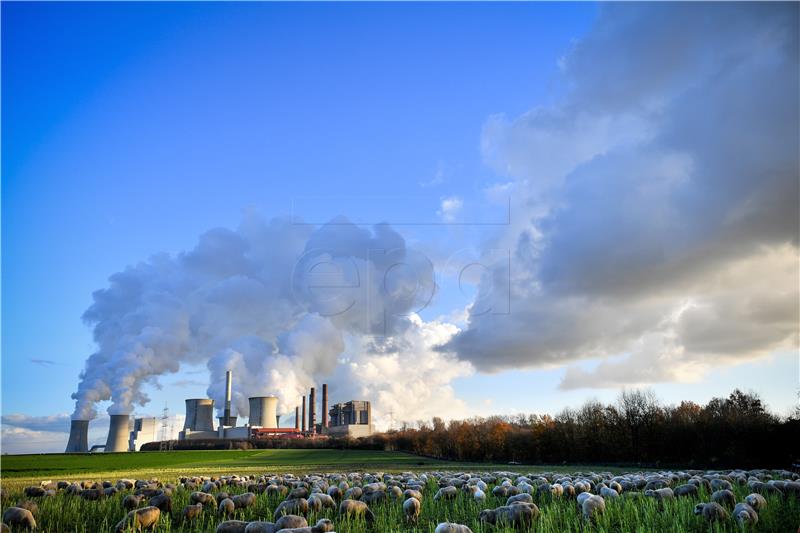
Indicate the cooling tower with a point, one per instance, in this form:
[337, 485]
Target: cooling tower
[324, 405]
[199, 414]
[264, 411]
[118, 433]
[78, 437]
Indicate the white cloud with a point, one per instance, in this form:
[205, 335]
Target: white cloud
[450, 208]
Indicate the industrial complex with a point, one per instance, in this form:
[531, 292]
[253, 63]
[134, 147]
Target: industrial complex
[349, 419]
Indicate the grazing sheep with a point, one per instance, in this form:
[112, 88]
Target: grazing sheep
[593, 506]
[144, 518]
[609, 493]
[721, 484]
[724, 497]
[353, 493]
[92, 494]
[276, 490]
[191, 512]
[756, 501]
[163, 502]
[30, 506]
[582, 497]
[34, 492]
[204, 498]
[686, 490]
[374, 496]
[232, 526]
[520, 515]
[319, 501]
[290, 521]
[355, 508]
[291, 506]
[260, 527]
[744, 514]
[660, 494]
[241, 501]
[524, 497]
[501, 491]
[446, 493]
[335, 493]
[412, 493]
[110, 491]
[323, 525]
[712, 512]
[448, 527]
[411, 508]
[19, 517]
[227, 507]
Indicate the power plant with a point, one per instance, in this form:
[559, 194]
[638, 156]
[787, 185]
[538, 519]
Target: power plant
[350, 419]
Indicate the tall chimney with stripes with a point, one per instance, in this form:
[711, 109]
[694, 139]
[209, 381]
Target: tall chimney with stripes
[324, 407]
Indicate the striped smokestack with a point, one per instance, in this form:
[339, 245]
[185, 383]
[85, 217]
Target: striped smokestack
[228, 383]
[304, 412]
[312, 420]
[324, 406]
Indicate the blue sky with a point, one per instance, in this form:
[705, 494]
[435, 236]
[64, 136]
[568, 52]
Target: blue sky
[131, 129]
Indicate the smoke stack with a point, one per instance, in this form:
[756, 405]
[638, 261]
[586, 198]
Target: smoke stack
[199, 414]
[304, 412]
[312, 419]
[297, 417]
[324, 406]
[228, 382]
[78, 437]
[264, 411]
[118, 433]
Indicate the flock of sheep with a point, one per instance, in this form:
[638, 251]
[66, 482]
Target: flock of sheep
[353, 495]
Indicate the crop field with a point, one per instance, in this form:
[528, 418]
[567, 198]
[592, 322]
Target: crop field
[68, 509]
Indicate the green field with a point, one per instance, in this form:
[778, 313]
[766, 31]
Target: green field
[206, 462]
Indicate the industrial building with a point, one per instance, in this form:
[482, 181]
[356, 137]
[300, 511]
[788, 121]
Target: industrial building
[350, 419]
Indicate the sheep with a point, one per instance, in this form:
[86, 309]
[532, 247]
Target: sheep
[319, 501]
[291, 506]
[260, 527]
[30, 506]
[232, 526]
[609, 493]
[227, 507]
[744, 514]
[144, 518]
[355, 508]
[276, 490]
[373, 496]
[665, 493]
[4, 528]
[686, 490]
[721, 484]
[191, 512]
[411, 508]
[241, 501]
[712, 512]
[756, 501]
[524, 497]
[33, 492]
[477, 494]
[323, 525]
[204, 498]
[19, 517]
[92, 494]
[290, 521]
[353, 493]
[593, 506]
[335, 493]
[412, 493]
[582, 497]
[163, 502]
[446, 493]
[519, 515]
[448, 527]
[724, 497]
[299, 492]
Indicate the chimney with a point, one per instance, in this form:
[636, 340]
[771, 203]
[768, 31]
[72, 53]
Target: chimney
[312, 419]
[78, 437]
[324, 406]
[228, 381]
[297, 417]
[304, 413]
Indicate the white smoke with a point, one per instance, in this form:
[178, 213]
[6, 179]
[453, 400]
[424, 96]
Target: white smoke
[271, 301]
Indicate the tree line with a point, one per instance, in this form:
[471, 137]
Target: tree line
[733, 432]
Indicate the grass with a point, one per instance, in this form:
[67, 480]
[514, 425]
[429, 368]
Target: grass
[64, 513]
